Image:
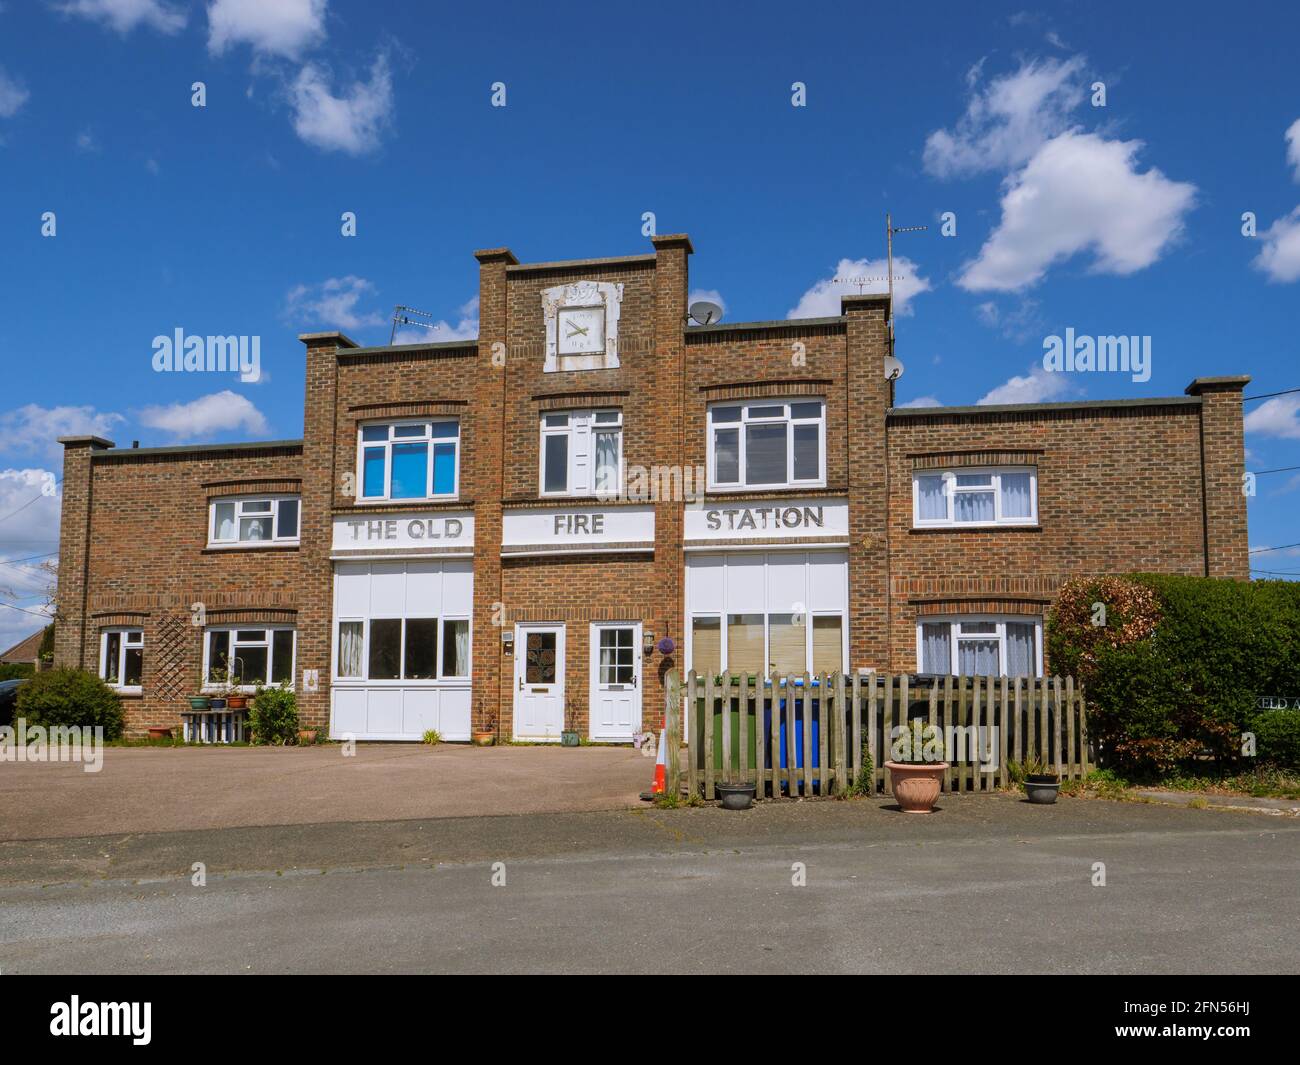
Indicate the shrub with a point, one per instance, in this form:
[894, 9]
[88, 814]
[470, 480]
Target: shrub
[1277, 737]
[432, 737]
[273, 715]
[70, 697]
[16, 670]
[1180, 664]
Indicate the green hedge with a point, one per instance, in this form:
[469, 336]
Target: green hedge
[70, 697]
[273, 716]
[1180, 665]
[16, 670]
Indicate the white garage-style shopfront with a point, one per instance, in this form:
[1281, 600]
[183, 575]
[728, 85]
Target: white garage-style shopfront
[770, 606]
[402, 626]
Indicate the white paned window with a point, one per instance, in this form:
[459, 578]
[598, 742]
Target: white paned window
[581, 453]
[121, 658]
[767, 444]
[980, 646]
[248, 656]
[975, 496]
[253, 521]
[417, 459]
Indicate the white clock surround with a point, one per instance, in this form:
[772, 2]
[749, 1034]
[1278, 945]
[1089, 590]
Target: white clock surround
[582, 295]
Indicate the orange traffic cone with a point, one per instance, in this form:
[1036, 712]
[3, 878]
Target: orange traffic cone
[659, 785]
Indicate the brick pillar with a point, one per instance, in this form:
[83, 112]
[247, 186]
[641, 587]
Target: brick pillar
[70, 641]
[671, 287]
[1223, 468]
[491, 668]
[321, 483]
[869, 397]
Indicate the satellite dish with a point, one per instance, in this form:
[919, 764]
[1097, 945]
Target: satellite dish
[704, 312]
[893, 368]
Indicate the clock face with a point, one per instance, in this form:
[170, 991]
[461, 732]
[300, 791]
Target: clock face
[580, 330]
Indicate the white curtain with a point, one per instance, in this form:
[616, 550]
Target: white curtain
[462, 648]
[936, 648]
[1015, 496]
[350, 649]
[606, 462]
[973, 506]
[978, 658]
[931, 504]
[1021, 660]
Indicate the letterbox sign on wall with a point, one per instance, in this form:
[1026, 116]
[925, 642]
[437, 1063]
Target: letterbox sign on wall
[427, 532]
[776, 519]
[552, 529]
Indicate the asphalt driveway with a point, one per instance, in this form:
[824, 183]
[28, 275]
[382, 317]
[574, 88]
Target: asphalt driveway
[147, 789]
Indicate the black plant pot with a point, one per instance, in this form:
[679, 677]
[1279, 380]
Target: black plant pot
[1042, 788]
[737, 796]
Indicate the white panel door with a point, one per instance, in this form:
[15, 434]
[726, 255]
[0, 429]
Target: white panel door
[539, 682]
[615, 681]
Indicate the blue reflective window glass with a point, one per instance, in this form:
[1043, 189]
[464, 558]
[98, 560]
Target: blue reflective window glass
[372, 433]
[410, 471]
[445, 429]
[373, 472]
[444, 469]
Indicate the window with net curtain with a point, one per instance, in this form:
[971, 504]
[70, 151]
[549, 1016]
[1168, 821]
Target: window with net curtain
[975, 497]
[787, 642]
[979, 647]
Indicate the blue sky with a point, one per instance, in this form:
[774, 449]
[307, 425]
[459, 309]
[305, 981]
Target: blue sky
[225, 219]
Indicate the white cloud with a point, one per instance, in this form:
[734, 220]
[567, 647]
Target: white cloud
[1080, 193]
[1280, 256]
[33, 429]
[216, 413]
[285, 28]
[1038, 386]
[823, 299]
[1018, 324]
[466, 328]
[12, 95]
[352, 122]
[1279, 416]
[86, 141]
[125, 15]
[1006, 123]
[30, 529]
[332, 304]
[922, 401]
[712, 295]
[1293, 147]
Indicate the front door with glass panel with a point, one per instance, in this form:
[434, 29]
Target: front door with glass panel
[615, 681]
[539, 682]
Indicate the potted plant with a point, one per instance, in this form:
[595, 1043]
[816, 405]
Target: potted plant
[487, 735]
[307, 736]
[199, 702]
[235, 699]
[737, 796]
[160, 733]
[1041, 785]
[916, 767]
[569, 737]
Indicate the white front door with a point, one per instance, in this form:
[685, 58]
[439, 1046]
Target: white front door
[539, 682]
[615, 680]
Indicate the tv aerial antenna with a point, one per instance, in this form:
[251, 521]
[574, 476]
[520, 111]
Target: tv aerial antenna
[890, 230]
[402, 315]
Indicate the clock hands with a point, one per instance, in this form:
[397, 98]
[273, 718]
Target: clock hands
[575, 329]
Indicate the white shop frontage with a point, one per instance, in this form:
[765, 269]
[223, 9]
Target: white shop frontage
[403, 612]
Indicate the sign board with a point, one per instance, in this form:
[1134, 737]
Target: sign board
[384, 532]
[778, 519]
[587, 525]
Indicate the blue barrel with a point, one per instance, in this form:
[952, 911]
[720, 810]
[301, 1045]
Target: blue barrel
[814, 708]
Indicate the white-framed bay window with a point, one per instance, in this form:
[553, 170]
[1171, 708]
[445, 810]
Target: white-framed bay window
[767, 443]
[767, 612]
[581, 452]
[121, 658]
[416, 458]
[248, 656]
[980, 645]
[253, 521]
[975, 496]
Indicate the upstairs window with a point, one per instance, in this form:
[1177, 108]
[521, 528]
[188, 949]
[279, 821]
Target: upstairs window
[410, 460]
[255, 520]
[968, 497]
[767, 444]
[581, 453]
[121, 658]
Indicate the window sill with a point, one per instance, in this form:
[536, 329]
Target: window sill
[273, 545]
[974, 528]
[239, 689]
[752, 489]
[127, 693]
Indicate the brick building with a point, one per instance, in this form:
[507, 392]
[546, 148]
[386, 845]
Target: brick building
[501, 532]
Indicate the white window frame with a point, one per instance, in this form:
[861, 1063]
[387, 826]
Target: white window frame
[950, 490]
[387, 445]
[786, 419]
[441, 677]
[572, 454]
[123, 645]
[268, 642]
[239, 501]
[954, 622]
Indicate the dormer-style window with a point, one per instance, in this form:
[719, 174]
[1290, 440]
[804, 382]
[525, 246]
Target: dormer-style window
[254, 521]
[767, 444]
[974, 497]
[416, 459]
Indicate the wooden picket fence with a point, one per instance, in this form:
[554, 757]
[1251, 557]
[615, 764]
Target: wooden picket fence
[752, 729]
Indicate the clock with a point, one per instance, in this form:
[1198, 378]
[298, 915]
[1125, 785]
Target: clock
[580, 330]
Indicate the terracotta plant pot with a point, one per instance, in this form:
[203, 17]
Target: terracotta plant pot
[483, 739]
[160, 733]
[237, 702]
[916, 787]
[307, 735]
